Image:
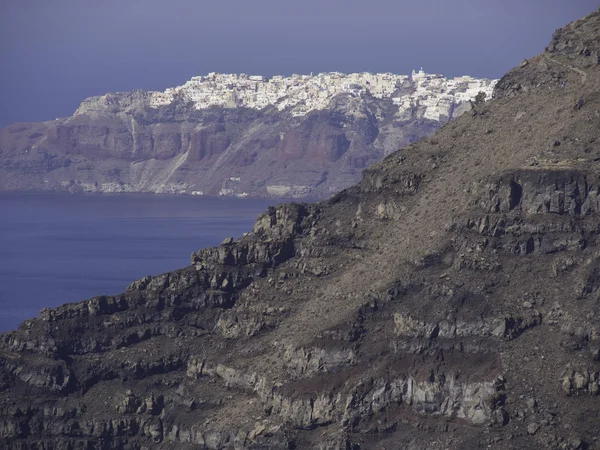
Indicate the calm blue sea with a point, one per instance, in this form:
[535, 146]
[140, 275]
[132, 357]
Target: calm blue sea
[64, 248]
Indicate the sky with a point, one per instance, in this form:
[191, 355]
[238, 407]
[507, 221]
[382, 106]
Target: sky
[55, 53]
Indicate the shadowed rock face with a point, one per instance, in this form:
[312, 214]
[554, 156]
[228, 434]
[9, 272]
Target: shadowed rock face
[315, 141]
[448, 300]
[179, 149]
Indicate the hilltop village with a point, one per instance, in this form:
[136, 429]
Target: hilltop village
[434, 95]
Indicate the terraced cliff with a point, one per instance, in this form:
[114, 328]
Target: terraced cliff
[448, 300]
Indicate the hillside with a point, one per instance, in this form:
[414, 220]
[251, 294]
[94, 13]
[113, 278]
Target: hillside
[448, 300]
[233, 135]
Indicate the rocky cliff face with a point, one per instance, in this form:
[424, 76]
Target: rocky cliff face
[298, 138]
[448, 300]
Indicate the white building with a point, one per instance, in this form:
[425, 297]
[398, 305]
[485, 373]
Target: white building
[301, 94]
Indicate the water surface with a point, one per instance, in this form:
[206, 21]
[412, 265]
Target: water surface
[64, 248]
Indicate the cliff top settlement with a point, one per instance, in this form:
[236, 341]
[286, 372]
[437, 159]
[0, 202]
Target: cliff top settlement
[436, 95]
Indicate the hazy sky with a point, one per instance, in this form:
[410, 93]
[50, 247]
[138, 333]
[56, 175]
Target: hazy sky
[55, 53]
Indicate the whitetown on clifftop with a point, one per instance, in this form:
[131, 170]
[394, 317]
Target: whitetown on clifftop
[435, 97]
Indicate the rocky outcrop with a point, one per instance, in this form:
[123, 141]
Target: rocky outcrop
[448, 300]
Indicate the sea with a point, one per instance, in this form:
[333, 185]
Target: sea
[57, 249]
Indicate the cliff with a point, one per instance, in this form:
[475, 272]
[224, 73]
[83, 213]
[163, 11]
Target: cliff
[448, 300]
[233, 135]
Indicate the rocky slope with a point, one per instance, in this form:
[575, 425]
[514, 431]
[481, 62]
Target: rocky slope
[448, 300]
[297, 137]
